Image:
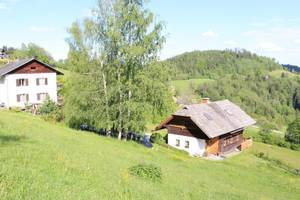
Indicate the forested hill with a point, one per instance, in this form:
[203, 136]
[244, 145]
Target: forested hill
[292, 68]
[213, 64]
[258, 84]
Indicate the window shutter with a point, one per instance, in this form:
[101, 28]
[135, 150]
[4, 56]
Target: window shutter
[18, 98]
[17, 82]
[37, 81]
[38, 96]
[46, 81]
[27, 97]
[26, 82]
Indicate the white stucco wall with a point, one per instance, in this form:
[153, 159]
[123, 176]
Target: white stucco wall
[3, 93]
[196, 147]
[11, 90]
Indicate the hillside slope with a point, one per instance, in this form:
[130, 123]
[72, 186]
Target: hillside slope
[40, 160]
[262, 87]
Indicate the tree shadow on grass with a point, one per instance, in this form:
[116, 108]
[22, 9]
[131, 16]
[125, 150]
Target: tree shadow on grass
[11, 139]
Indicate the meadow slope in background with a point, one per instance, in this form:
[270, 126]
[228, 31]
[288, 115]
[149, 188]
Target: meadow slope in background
[41, 160]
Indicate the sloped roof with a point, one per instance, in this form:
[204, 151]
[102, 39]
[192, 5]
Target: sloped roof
[15, 65]
[216, 118]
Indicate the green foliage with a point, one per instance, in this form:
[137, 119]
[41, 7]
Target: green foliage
[157, 138]
[293, 132]
[51, 111]
[116, 82]
[251, 81]
[47, 107]
[29, 51]
[146, 171]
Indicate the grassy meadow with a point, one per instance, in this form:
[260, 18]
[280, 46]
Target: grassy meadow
[41, 160]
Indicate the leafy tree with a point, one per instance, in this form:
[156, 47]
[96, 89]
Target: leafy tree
[117, 83]
[293, 132]
[29, 51]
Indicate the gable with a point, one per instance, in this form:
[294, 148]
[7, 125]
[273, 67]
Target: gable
[26, 66]
[32, 68]
[184, 126]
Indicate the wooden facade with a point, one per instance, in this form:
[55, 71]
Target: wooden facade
[186, 127]
[33, 67]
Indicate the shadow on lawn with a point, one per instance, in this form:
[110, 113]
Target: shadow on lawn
[11, 139]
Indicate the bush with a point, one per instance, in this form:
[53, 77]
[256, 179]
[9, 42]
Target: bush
[50, 111]
[47, 107]
[293, 132]
[146, 171]
[157, 138]
[295, 147]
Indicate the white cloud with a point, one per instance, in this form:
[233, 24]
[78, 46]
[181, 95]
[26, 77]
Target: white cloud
[41, 29]
[209, 34]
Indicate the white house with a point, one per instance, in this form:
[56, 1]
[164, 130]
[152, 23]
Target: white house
[27, 82]
[208, 128]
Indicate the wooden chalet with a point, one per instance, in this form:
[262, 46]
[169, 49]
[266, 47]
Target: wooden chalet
[207, 128]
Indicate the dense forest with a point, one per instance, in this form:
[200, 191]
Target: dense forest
[258, 84]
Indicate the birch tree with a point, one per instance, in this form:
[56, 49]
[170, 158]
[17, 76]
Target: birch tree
[119, 43]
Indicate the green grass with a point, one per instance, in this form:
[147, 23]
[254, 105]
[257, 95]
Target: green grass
[185, 87]
[40, 160]
[278, 73]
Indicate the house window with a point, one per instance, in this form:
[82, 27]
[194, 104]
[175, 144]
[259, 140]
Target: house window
[187, 144]
[33, 68]
[22, 82]
[22, 98]
[42, 96]
[41, 81]
[177, 143]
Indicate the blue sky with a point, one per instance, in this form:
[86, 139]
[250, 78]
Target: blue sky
[270, 28]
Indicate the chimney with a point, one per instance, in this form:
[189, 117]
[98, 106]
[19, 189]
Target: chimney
[205, 100]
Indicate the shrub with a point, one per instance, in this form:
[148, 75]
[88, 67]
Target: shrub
[47, 107]
[50, 111]
[146, 171]
[295, 147]
[157, 138]
[293, 132]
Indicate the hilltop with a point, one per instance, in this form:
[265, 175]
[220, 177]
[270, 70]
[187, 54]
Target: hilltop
[42, 160]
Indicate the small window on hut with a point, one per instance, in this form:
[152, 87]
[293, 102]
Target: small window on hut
[33, 68]
[177, 143]
[187, 144]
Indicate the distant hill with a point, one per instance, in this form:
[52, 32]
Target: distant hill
[214, 64]
[260, 85]
[292, 68]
